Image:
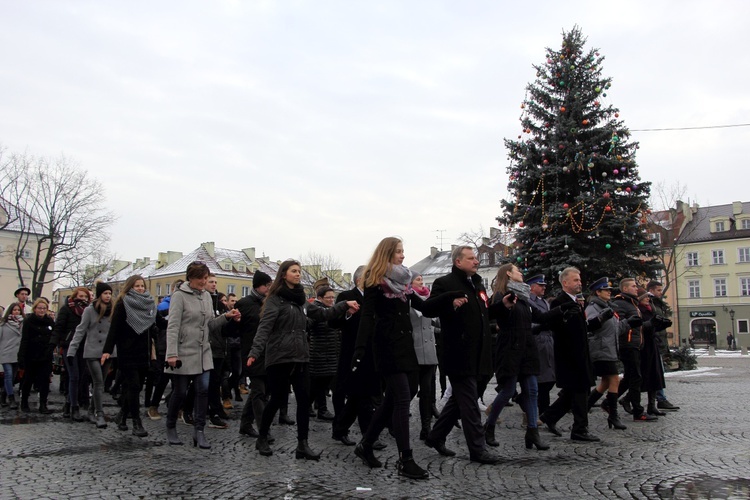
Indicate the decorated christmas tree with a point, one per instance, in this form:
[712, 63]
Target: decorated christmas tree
[577, 197]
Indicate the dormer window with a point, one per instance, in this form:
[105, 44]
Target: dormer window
[227, 267]
[719, 227]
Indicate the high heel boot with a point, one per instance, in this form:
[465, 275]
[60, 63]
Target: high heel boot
[172, 437]
[652, 409]
[199, 439]
[489, 435]
[594, 397]
[613, 419]
[303, 451]
[261, 444]
[532, 439]
[138, 429]
[407, 467]
[364, 451]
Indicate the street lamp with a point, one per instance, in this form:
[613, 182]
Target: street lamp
[734, 335]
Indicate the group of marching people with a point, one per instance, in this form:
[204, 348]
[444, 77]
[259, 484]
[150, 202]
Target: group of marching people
[374, 346]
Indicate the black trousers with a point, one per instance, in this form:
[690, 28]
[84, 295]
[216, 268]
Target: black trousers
[319, 386]
[462, 404]
[631, 380]
[426, 394]
[256, 402]
[400, 389]
[215, 406]
[543, 400]
[232, 382]
[36, 373]
[279, 377]
[132, 382]
[570, 400]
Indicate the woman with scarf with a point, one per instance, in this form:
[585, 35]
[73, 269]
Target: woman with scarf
[386, 323]
[282, 338]
[192, 314]
[93, 329]
[10, 341]
[517, 356]
[35, 355]
[133, 315]
[424, 347]
[68, 319]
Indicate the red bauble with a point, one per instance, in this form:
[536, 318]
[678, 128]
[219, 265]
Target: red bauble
[562, 109]
[545, 161]
[606, 195]
[585, 122]
[565, 206]
[617, 115]
[607, 208]
[627, 189]
[520, 224]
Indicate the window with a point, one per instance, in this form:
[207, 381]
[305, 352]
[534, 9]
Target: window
[745, 287]
[720, 226]
[720, 287]
[25, 254]
[227, 267]
[241, 268]
[230, 289]
[655, 238]
[745, 223]
[743, 326]
[692, 259]
[743, 254]
[694, 289]
[245, 291]
[498, 258]
[717, 256]
[484, 259]
[169, 288]
[158, 289]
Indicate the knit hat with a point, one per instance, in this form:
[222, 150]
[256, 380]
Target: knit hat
[321, 282]
[260, 278]
[102, 287]
[642, 293]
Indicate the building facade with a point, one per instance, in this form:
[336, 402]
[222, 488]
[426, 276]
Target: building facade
[713, 274]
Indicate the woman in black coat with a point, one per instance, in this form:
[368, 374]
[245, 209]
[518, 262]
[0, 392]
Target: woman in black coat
[133, 316]
[386, 322]
[652, 368]
[35, 354]
[517, 356]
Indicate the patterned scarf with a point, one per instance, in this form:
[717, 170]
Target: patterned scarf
[397, 282]
[140, 310]
[77, 306]
[422, 291]
[519, 288]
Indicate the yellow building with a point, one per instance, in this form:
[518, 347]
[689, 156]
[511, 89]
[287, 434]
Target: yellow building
[713, 274]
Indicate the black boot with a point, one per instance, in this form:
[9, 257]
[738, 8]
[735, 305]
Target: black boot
[261, 444]
[43, 408]
[3, 399]
[613, 419]
[407, 467]
[199, 439]
[138, 429]
[303, 451]
[532, 439]
[284, 417]
[364, 451]
[489, 435]
[652, 409]
[13, 405]
[75, 414]
[594, 397]
[247, 429]
[120, 420]
[66, 410]
[172, 437]
[25, 404]
[100, 422]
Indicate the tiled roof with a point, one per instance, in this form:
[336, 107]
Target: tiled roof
[699, 227]
[438, 265]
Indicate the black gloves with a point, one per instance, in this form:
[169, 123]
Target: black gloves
[660, 323]
[635, 321]
[606, 314]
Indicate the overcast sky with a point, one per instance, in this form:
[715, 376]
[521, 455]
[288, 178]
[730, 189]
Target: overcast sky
[292, 126]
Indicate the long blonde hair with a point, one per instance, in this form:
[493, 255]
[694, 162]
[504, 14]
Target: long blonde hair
[129, 284]
[380, 261]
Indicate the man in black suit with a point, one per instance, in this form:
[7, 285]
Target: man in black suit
[573, 369]
[467, 352]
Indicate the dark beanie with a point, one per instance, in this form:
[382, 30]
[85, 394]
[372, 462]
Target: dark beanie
[102, 287]
[260, 278]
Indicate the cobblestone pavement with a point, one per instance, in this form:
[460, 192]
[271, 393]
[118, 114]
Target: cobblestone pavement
[700, 451]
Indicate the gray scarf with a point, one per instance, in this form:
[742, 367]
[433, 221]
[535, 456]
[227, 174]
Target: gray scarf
[140, 310]
[519, 288]
[397, 282]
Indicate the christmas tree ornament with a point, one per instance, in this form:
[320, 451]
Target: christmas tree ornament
[607, 246]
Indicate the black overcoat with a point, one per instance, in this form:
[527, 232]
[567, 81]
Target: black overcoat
[573, 368]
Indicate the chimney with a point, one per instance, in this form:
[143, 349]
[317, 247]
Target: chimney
[494, 232]
[209, 246]
[433, 252]
[485, 241]
[249, 253]
[736, 208]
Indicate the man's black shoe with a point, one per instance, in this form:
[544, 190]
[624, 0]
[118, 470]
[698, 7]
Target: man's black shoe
[379, 445]
[584, 436]
[666, 405]
[343, 439]
[439, 446]
[485, 458]
[248, 430]
[551, 427]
